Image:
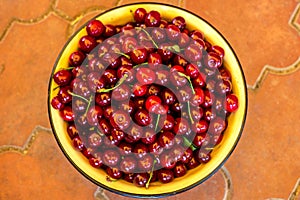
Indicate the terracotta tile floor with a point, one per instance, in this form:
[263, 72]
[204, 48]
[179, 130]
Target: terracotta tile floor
[266, 37]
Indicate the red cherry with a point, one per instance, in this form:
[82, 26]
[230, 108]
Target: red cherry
[232, 103]
[87, 43]
[165, 175]
[67, 114]
[140, 15]
[145, 75]
[76, 58]
[95, 28]
[153, 19]
[56, 103]
[62, 77]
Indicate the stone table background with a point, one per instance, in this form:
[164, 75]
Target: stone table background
[266, 37]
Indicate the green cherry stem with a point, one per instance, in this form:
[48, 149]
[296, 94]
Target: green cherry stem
[188, 143]
[76, 95]
[123, 54]
[156, 124]
[150, 37]
[117, 85]
[189, 79]
[151, 174]
[136, 66]
[189, 111]
[88, 106]
[175, 47]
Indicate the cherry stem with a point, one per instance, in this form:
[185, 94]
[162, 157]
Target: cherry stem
[109, 179]
[156, 124]
[56, 88]
[188, 143]
[76, 95]
[88, 106]
[189, 111]
[117, 85]
[148, 36]
[123, 54]
[68, 68]
[189, 79]
[175, 47]
[151, 174]
[136, 66]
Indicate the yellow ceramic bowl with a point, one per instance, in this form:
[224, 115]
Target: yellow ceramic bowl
[121, 15]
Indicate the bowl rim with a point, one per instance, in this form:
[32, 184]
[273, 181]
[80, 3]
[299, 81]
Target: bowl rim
[134, 195]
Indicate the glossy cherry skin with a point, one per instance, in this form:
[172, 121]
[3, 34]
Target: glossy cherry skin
[111, 157]
[192, 71]
[76, 58]
[179, 170]
[139, 56]
[168, 123]
[158, 35]
[145, 163]
[153, 90]
[202, 156]
[125, 148]
[141, 179]
[179, 22]
[213, 60]
[56, 103]
[145, 75]
[154, 60]
[140, 15]
[104, 126]
[193, 53]
[121, 93]
[153, 19]
[128, 164]
[114, 173]
[78, 144]
[200, 126]
[139, 89]
[193, 163]
[110, 30]
[232, 103]
[62, 77]
[201, 140]
[95, 140]
[140, 150]
[162, 77]
[217, 126]
[110, 76]
[173, 32]
[165, 175]
[72, 130]
[187, 156]
[120, 120]
[94, 114]
[149, 136]
[166, 139]
[87, 43]
[167, 159]
[152, 101]
[95, 28]
[196, 35]
[155, 148]
[96, 160]
[125, 69]
[103, 98]
[181, 126]
[168, 97]
[67, 114]
[142, 117]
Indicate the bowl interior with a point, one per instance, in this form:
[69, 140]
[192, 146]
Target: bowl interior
[121, 15]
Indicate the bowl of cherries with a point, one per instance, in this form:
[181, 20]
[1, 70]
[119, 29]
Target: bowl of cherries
[147, 100]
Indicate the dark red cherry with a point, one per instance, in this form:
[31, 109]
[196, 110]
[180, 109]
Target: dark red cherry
[232, 103]
[217, 126]
[193, 163]
[105, 126]
[56, 103]
[121, 93]
[165, 175]
[163, 23]
[128, 164]
[72, 131]
[179, 60]
[145, 75]
[162, 77]
[78, 144]
[179, 170]
[111, 157]
[168, 97]
[139, 56]
[202, 139]
[95, 81]
[67, 113]
[108, 111]
[181, 126]
[96, 160]
[209, 114]
[167, 159]
[200, 126]
[142, 117]
[120, 120]
[95, 140]
[166, 139]
[198, 97]
[158, 35]
[141, 179]
[155, 148]
[224, 87]
[208, 99]
[193, 53]
[110, 30]
[110, 76]
[118, 134]
[177, 79]
[114, 173]
[192, 71]
[140, 15]
[94, 114]
[139, 89]
[196, 35]
[87, 43]
[199, 81]
[165, 52]
[173, 32]
[213, 60]
[62, 77]
[95, 28]
[187, 155]
[140, 150]
[134, 134]
[219, 50]
[202, 156]
[168, 123]
[126, 69]
[129, 177]
[76, 58]
[179, 22]
[152, 101]
[125, 148]
[145, 163]
[154, 60]
[153, 19]
[149, 136]
[103, 98]
[153, 90]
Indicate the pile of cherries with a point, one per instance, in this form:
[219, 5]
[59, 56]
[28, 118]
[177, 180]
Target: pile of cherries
[145, 101]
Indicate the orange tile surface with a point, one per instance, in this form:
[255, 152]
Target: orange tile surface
[266, 37]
